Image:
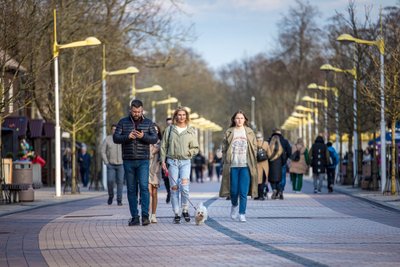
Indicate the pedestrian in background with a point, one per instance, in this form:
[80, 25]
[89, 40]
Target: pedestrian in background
[298, 167]
[178, 147]
[319, 157]
[165, 174]
[84, 160]
[111, 153]
[331, 168]
[67, 167]
[239, 177]
[135, 133]
[218, 163]
[277, 158]
[199, 163]
[262, 167]
[287, 150]
[155, 175]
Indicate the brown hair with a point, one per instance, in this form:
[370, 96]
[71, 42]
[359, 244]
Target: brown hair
[176, 114]
[246, 120]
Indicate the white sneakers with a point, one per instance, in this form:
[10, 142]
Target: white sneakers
[153, 218]
[234, 212]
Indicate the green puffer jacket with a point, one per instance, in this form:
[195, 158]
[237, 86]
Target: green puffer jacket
[180, 146]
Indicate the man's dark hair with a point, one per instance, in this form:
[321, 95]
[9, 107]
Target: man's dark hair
[329, 144]
[168, 119]
[136, 103]
[113, 125]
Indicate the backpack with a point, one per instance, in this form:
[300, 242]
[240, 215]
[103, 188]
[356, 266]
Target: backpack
[333, 158]
[296, 155]
[261, 154]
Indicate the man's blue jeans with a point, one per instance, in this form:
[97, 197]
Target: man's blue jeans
[137, 174]
[240, 184]
[115, 175]
[283, 181]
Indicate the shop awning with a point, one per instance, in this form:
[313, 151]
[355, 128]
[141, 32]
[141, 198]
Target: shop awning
[48, 130]
[19, 124]
[35, 128]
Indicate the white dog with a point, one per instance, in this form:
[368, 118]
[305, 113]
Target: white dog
[200, 214]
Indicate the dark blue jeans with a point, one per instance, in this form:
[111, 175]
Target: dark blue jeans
[240, 184]
[85, 176]
[115, 175]
[137, 174]
[283, 181]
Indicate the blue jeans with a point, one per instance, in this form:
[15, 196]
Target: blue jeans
[240, 184]
[85, 176]
[179, 175]
[283, 181]
[115, 175]
[137, 174]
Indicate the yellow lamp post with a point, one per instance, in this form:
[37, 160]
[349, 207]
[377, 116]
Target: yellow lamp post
[309, 120]
[167, 101]
[105, 73]
[353, 72]
[380, 44]
[315, 100]
[336, 93]
[154, 88]
[90, 41]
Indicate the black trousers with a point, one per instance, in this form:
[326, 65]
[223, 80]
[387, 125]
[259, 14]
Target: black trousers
[331, 177]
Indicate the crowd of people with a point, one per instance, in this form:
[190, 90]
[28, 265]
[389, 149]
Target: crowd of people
[245, 165]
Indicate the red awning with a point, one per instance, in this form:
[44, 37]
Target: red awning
[35, 128]
[19, 124]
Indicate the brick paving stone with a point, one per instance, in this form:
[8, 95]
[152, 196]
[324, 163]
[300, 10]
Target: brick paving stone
[304, 229]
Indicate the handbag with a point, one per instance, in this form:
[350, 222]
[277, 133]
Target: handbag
[261, 154]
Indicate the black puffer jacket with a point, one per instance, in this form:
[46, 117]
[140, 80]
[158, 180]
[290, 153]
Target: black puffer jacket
[319, 156]
[133, 149]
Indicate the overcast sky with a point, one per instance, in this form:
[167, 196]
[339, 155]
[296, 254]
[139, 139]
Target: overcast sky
[229, 30]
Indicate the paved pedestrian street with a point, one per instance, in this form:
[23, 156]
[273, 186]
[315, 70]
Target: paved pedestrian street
[304, 229]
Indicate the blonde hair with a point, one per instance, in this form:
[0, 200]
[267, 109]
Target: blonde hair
[174, 117]
[276, 148]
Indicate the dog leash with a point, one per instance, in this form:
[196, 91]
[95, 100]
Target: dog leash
[187, 198]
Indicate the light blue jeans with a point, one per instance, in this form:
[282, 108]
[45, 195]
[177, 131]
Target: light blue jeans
[240, 184]
[179, 174]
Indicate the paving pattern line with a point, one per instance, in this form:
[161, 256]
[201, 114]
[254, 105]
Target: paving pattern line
[256, 244]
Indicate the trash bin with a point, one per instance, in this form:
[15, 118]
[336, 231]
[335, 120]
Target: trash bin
[22, 175]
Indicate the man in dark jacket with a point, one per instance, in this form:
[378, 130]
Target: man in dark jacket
[287, 150]
[136, 133]
[319, 157]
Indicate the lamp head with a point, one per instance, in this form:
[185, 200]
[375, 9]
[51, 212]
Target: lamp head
[327, 67]
[92, 41]
[312, 86]
[346, 38]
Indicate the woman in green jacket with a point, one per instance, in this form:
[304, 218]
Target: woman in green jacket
[179, 145]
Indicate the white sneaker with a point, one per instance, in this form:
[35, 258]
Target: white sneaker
[234, 212]
[242, 218]
[153, 218]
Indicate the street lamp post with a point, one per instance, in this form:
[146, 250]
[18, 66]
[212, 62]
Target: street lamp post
[105, 73]
[90, 41]
[353, 72]
[336, 93]
[154, 88]
[168, 101]
[253, 124]
[380, 44]
[309, 120]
